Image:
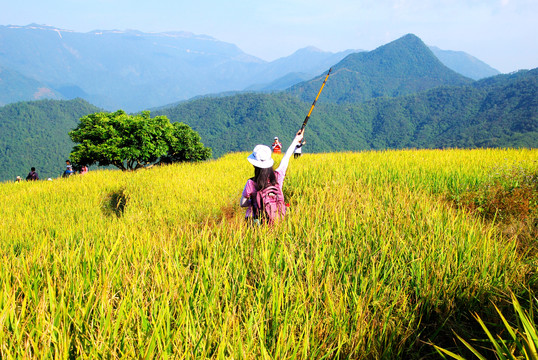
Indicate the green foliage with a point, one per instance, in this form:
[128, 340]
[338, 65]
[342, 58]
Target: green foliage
[402, 67]
[35, 134]
[185, 145]
[501, 111]
[238, 123]
[490, 113]
[369, 263]
[519, 342]
[130, 142]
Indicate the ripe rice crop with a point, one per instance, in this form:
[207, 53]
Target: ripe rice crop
[372, 260]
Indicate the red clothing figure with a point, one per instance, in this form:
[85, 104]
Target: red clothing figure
[276, 146]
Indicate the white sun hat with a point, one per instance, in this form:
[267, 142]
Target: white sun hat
[261, 157]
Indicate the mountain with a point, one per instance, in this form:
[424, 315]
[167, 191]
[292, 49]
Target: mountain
[302, 65]
[35, 134]
[409, 100]
[135, 70]
[401, 67]
[127, 69]
[464, 63]
[281, 83]
[495, 112]
[16, 87]
[500, 111]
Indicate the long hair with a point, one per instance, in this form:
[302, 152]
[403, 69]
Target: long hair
[264, 177]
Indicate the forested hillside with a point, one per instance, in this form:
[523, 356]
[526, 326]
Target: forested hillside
[35, 134]
[487, 114]
[397, 96]
[401, 67]
[494, 112]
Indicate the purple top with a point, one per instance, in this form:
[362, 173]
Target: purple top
[250, 190]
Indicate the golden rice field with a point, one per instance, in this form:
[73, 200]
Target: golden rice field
[372, 260]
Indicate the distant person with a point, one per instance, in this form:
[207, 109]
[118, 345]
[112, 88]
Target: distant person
[266, 184]
[299, 149]
[83, 170]
[276, 146]
[68, 169]
[32, 175]
[19, 179]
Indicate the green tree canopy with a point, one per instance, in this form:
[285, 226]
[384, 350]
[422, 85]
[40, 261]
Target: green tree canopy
[130, 142]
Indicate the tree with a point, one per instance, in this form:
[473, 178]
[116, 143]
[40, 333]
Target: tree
[130, 142]
[185, 145]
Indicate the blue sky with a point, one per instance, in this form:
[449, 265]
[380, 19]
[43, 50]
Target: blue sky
[502, 33]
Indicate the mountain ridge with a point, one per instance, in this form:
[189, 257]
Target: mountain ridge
[464, 63]
[16, 86]
[133, 70]
[500, 113]
[402, 66]
[494, 112]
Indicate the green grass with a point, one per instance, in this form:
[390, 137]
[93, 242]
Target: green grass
[372, 261]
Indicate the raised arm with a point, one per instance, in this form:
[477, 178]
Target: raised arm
[286, 159]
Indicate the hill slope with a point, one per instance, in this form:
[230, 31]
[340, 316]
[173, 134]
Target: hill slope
[496, 112]
[127, 69]
[160, 263]
[35, 134]
[16, 87]
[464, 63]
[401, 67]
[133, 70]
[487, 114]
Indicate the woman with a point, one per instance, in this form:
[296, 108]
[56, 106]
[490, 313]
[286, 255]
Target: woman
[264, 175]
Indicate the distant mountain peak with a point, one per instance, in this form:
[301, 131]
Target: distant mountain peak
[34, 26]
[37, 26]
[310, 49]
[405, 53]
[101, 32]
[464, 63]
[409, 42]
[403, 66]
[409, 37]
[131, 69]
